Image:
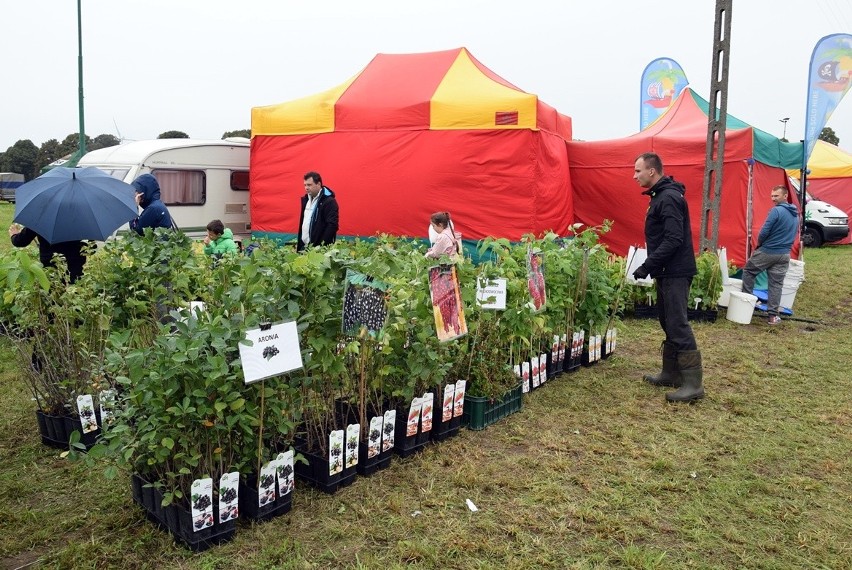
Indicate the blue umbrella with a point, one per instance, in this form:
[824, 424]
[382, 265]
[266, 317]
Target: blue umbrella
[68, 204]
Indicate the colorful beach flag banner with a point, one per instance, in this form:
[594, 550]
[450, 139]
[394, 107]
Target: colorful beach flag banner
[829, 78]
[662, 81]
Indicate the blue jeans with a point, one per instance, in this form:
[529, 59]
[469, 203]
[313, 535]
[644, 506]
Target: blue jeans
[775, 265]
[672, 301]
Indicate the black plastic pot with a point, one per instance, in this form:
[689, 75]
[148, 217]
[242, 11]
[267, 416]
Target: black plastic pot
[177, 520]
[369, 465]
[316, 474]
[55, 431]
[406, 445]
[73, 423]
[250, 505]
[52, 430]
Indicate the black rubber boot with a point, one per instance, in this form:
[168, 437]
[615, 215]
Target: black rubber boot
[689, 362]
[670, 375]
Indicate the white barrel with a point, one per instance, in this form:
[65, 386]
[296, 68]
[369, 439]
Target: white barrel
[741, 307]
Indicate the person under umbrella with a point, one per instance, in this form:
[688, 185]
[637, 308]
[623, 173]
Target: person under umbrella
[154, 212]
[72, 251]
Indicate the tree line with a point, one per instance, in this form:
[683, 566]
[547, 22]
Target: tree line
[24, 157]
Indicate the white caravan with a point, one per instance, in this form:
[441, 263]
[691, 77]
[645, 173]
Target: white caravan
[200, 180]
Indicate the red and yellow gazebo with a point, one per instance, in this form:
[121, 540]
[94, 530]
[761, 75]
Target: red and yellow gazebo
[409, 135]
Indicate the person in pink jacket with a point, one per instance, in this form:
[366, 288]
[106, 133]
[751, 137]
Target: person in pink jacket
[447, 242]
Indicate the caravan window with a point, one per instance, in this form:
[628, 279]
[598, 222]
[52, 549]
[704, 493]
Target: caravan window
[119, 173]
[182, 187]
[240, 180]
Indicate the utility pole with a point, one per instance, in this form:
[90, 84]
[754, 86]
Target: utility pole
[714, 158]
[81, 150]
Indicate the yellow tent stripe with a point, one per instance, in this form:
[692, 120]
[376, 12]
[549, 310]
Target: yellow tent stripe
[468, 99]
[308, 115]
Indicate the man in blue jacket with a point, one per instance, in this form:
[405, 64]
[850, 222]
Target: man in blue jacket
[671, 262]
[154, 212]
[773, 251]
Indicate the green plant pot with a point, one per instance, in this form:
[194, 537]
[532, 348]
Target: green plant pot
[480, 412]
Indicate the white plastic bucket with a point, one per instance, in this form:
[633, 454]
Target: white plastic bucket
[794, 277]
[727, 288]
[741, 307]
[788, 294]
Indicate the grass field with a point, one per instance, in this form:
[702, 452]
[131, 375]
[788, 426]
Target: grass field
[596, 471]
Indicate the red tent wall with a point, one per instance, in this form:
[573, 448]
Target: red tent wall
[501, 182]
[603, 185]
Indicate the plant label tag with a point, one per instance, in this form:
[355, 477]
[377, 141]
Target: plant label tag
[374, 438]
[517, 371]
[581, 340]
[534, 372]
[272, 352]
[554, 350]
[447, 406]
[542, 368]
[194, 309]
[525, 376]
[107, 403]
[229, 505]
[428, 408]
[614, 339]
[563, 344]
[266, 484]
[335, 452]
[458, 406]
[491, 294]
[598, 341]
[201, 499]
[413, 417]
[284, 472]
[86, 409]
[353, 438]
[389, 430]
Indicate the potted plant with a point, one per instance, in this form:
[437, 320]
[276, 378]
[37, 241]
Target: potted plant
[317, 277]
[705, 288]
[58, 332]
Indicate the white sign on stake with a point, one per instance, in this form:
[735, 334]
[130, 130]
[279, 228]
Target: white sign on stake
[275, 351]
[491, 294]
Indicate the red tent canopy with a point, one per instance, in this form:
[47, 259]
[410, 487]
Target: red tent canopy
[410, 135]
[603, 185]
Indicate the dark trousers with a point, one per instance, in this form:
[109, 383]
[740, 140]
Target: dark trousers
[672, 301]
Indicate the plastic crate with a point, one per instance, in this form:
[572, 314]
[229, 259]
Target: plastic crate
[481, 412]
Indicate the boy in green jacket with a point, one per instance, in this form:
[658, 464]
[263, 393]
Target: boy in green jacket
[219, 240]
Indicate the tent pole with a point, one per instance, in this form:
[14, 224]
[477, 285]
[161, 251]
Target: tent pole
[803, 195]
[749, 206]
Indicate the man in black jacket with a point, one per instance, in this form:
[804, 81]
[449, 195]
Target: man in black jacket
[318, 220]
[671, 262]
[73, 251]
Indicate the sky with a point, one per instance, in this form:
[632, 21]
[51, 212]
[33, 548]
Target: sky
[199, 66]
